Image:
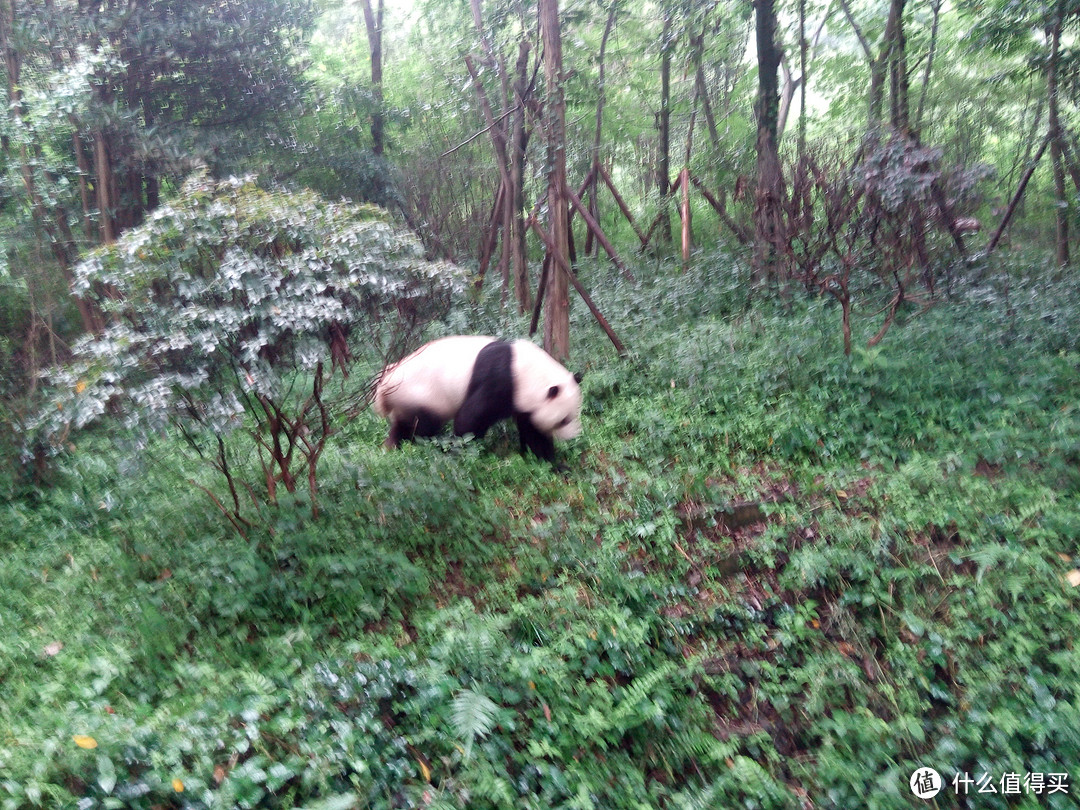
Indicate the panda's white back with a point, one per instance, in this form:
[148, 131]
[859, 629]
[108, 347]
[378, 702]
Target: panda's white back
[435, 377]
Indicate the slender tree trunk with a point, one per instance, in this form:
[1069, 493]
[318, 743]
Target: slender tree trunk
[504, 214]
[703, 95]
[792, 84]
[557, 305]
[84, 187]
[61, 241]
[519, 141]
[898, 74]
[373, 20]
[1017, 196]
[1056, 136]
[684, 210]
[687, 234]
[801, 149]
[769, 197]
[594, 203]
[787, 94]
[153, 186]
[105, 184]
[663, 156]
[884, 67]
[935, 7]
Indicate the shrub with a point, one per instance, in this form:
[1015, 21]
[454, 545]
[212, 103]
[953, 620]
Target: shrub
[231, 308]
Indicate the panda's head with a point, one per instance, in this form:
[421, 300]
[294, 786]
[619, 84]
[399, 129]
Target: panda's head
[546, 391]
[559, 414]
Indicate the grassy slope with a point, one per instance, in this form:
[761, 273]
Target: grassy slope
[465, 628]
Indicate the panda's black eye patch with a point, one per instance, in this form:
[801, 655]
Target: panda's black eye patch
[553, 392]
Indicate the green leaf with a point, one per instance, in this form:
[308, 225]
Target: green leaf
[106, 773]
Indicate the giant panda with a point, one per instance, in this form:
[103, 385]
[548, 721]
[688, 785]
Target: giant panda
[477, 381]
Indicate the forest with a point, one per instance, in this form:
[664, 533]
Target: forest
[817, 544]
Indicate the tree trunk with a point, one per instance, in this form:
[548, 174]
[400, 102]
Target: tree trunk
[84, 188]
[557, 305]
[518, 143]
[373, 19]
[153, 186]
[61, 241]
[1056, 136]
[594, 205]
[687, 231]
[935, 7]
[702, 89]
[105, 184]
[898, 74]
[663, 149]
[881, 68]
[801, 148]
[768, 202]
[1017, 196]
[787, 94]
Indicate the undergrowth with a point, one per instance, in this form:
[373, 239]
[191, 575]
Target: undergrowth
[770, 576]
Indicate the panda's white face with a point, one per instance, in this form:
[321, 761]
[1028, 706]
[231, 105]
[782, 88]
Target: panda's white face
[559, 413]
[546, 391]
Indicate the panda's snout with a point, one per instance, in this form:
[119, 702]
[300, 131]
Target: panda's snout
[568, 428]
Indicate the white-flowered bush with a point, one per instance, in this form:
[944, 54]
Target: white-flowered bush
[231, 307]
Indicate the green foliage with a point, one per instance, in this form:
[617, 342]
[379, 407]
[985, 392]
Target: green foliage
[231, 308]
[464, 627]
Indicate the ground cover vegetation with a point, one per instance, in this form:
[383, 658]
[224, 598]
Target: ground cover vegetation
[463, 627]
[820, 530]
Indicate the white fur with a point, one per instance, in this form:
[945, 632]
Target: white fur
[435, 377]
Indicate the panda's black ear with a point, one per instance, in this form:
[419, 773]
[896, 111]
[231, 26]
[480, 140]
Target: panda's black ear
[578, 375]
[553, 392]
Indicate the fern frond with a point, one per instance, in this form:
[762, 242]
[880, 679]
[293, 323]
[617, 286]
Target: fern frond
[472, 715]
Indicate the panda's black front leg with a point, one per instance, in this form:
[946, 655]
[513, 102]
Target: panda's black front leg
[540, 443]
[476, 415]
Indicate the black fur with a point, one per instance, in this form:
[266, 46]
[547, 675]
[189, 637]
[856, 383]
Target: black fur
[422, 423]
[540, 443]
[490, 399]
[490, 395]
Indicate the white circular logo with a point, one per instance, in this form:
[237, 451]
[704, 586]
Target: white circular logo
[925, 783]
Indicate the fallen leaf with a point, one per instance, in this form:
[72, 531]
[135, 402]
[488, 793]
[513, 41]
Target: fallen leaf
[1064, 557]
[52, 648]
[83, 741]
[547, 713]
[1073, 577]
[177, 785]
[425, 770]
[841, 494]
[219, 774]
